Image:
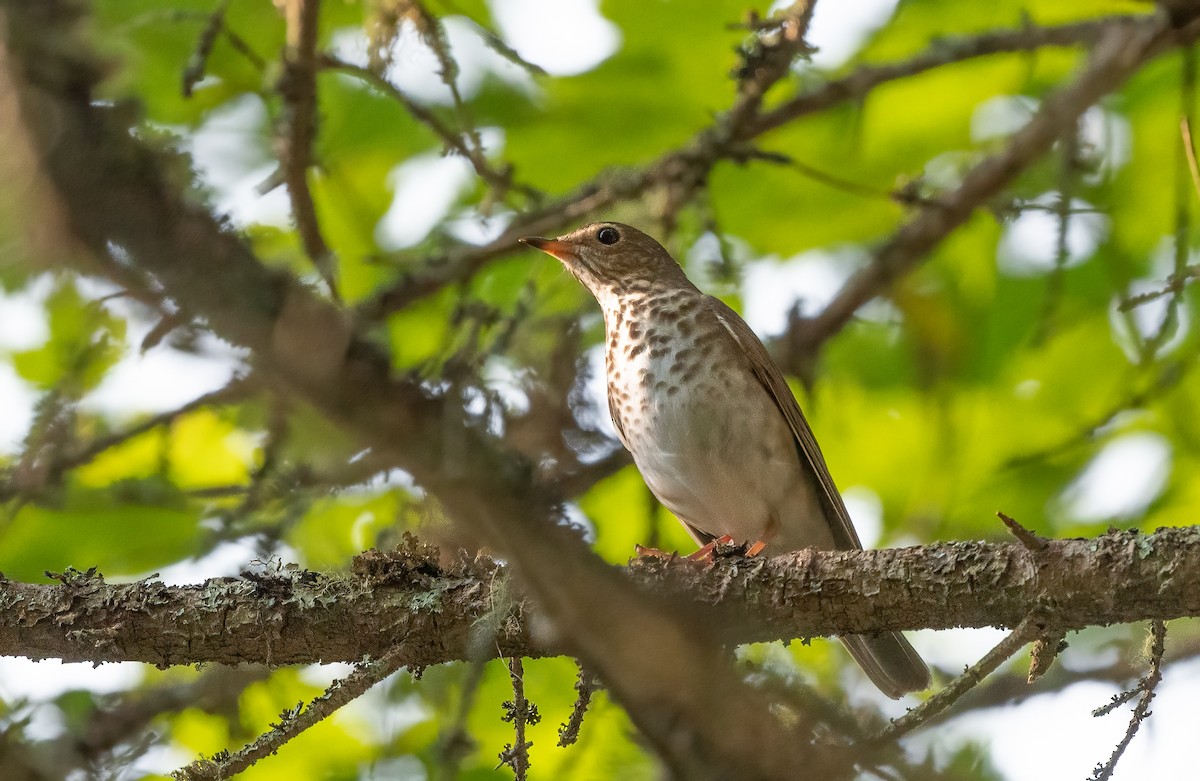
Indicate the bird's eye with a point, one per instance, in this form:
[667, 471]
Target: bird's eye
[607, 235]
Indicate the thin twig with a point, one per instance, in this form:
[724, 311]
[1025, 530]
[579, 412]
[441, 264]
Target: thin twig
[298, 87]
[1169, 325]
[1189, 150]
[194, 71]
[521, 713]
[1120, 51]
[1146, 686]
[1034, 542]
[295, 721]
[498, 45]
[1174, 285]
[585, 685]
[235, 390]
[452, 139]
[857, 84]
[455, 741]
[433, 34]
[1056, 280]
[1025, 631]
[699, 154]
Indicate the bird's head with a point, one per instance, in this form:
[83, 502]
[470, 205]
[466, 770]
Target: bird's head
[610, 258]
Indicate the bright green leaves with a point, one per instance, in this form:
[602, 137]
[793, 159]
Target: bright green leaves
[337, 528]
[625, 515]
[653, 93]
[85, 342]
[99, 529]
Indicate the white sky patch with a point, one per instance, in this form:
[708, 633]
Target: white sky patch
[22, 317]
[1029, 244]
[21, 678]
[474, 227]
[838, 33]
[17, 400]
[230, 155]
[565, 37]
[160, 380]
[1001, 116]
[1109, 135]
[867, 513]
[770, 289]
[506, 380]
[1122, 480]
[1056, 736]
[425, 187]
[226, 559]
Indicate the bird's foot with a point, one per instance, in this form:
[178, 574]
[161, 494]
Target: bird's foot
[756, 548]
[706, 552]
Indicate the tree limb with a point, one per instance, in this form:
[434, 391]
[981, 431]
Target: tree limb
[406, 599]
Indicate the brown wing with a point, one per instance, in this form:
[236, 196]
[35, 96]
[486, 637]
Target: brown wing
[772, 380]
[616, 419]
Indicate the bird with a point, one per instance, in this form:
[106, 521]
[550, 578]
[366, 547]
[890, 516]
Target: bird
[711, 422]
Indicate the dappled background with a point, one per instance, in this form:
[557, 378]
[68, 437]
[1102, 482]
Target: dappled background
[1038, 362]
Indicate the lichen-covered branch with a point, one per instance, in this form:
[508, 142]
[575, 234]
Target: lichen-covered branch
[406, 599]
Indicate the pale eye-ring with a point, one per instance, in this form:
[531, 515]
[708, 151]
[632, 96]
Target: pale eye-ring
[608, 235]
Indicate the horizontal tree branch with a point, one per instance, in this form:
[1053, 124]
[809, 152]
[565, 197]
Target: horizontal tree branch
[405, 599]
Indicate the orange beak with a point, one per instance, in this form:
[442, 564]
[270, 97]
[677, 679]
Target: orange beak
[559, 249]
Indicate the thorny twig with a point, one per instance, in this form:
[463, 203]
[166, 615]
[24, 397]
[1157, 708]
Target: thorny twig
[1056, 280]
[1146, 687]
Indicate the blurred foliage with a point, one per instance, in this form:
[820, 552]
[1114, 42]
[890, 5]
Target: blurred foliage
[992, 379]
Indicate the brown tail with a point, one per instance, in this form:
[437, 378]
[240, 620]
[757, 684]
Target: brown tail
[890, 662]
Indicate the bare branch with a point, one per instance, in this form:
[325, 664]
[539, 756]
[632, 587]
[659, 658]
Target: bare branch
[692, 161]
[520, 712]
[1147, 687]
[298, 86]
[194, 71]
[939, 702]
[859, 83]
[453, 140]
[1122, 47]
[585, 685]
[294, 721]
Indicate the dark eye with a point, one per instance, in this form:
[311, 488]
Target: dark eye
[607, 235]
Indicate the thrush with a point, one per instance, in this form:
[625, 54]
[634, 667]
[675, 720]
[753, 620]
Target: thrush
[710, 420]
